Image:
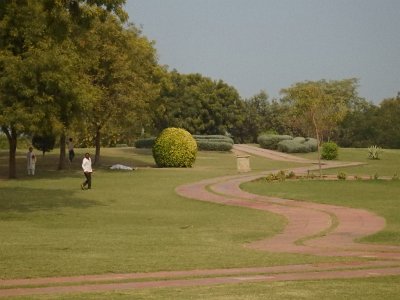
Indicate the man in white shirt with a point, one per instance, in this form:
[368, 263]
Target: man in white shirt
[87, 170]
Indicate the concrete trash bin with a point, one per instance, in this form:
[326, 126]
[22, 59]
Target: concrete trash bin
[243, 163]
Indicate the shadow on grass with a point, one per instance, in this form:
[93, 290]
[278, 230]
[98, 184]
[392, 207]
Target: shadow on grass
[27, 200]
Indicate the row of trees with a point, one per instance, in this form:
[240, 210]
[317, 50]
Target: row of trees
[77, 68]
[71, 64]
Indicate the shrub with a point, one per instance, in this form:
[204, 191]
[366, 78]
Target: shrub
[215, 138]
[299, 139]
[145, 143]
[330, 151]
[311, 144]
[44, 143]
[270, 141]
[374, 152]
[175, 147]
[213, 142]
[292, 146]
[342, 176]
[213, 145]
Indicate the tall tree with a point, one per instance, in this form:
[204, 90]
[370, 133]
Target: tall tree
[198, 104]
[388, 124]
[122, 64]
[68, 21]
[256, 118]
[22, 45]
[321, 104]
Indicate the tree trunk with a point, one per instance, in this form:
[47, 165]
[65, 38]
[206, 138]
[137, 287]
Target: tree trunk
[97, 144]
[318, 146]
[61, 162]
[12, 143]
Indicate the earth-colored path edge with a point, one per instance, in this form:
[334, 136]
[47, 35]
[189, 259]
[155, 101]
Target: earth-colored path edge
[310, 230]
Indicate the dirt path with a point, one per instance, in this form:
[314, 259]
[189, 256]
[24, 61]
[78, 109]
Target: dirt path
[316, 229]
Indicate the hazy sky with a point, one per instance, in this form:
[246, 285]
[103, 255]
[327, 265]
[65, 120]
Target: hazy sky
[268, 45]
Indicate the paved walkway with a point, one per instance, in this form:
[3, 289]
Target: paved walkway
[317, 229]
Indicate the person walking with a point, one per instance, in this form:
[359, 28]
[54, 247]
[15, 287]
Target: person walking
[31, 161]
[71, 152]
[87, 170]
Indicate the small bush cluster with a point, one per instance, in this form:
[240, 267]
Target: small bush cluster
[280, 176]
[330, 151]
[270, 141]
[298, 145]
[145, 143]
[174, 148]
[213, 142]
[374, 152]
[288, 144]
[341, 176]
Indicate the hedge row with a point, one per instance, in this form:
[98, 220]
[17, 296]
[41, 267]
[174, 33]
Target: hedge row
[204, 142]
[303, 145]
[145, 143]
[213, 142]
[271, 141]
[288, 144]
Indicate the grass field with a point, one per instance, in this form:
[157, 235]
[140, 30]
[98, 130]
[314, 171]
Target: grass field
[387, 288]
[128, 222]
[135, 222]
[379, 196]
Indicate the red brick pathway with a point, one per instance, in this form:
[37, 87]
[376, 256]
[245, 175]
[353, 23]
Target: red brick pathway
[310, 230]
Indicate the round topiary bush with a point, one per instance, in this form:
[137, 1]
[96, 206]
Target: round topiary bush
[174, 148]
[330, 151]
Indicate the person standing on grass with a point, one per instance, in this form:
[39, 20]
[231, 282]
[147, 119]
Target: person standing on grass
[71, 152]
[31, 161]
[87, 170]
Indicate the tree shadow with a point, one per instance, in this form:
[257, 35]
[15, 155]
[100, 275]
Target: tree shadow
[27, 200]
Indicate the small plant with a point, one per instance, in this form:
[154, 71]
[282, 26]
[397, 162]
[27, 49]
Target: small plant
[281, 175]
[330, 151]
[376, 176]
[270, 177]
[342, 176]
[395, 176]
[374, 152]
[291, 175]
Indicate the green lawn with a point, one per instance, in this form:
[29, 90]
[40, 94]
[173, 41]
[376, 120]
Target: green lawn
[128, 222]
[379, 196]
[387, 288]
[135, 222]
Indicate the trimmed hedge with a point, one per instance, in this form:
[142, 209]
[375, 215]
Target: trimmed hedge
[270, 141]
[288, 144]
[213, 142]
[292, 146]
[298, 145]
[204, 142]
[145, 143]
[214, 146]
[175, 148]
[312, 144]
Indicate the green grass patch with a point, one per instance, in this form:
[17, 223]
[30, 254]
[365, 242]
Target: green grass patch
[363, 288]
[129, 221]
[379, 196]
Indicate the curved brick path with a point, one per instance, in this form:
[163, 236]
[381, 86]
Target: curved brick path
[316, 229]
